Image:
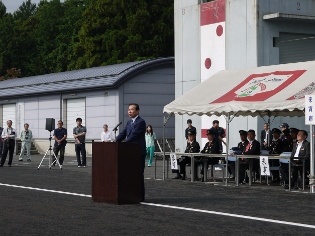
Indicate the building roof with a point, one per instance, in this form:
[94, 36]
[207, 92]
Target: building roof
[84, 79]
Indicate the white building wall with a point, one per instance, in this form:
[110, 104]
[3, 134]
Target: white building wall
[187, 61]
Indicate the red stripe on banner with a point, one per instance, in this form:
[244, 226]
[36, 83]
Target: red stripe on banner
[204, 133]
[212, 12]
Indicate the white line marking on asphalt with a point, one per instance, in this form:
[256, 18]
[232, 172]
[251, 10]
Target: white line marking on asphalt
[231, 215]
[176, 207]
[45, 190]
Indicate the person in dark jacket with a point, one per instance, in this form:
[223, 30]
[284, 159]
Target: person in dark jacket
[211, 147]
[192, 147]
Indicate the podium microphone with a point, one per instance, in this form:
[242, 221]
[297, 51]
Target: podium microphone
[115, 129]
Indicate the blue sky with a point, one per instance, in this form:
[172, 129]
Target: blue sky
[13, 5]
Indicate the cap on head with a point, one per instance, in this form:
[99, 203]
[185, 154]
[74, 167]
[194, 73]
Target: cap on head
[284, 125]
[191, 132]
[276, 130]
[242, 132]
[210, 132]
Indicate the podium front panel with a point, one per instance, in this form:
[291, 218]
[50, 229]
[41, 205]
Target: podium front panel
[116, 173]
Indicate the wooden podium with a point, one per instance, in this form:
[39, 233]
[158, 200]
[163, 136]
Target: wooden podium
[116, 173]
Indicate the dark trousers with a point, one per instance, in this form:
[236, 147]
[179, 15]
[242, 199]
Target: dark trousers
[80, 148]
[284, 171]
[210, 161]
[296, 169]
[182, 163]
[8, 146]
[60, 148]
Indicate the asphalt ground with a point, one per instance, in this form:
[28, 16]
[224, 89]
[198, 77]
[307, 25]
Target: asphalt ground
[44, 202]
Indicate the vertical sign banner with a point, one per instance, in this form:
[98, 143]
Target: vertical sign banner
[264, 166]
[309, 110]
[173, 160]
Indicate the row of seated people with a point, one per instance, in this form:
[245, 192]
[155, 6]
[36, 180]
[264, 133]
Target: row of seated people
[293, 141]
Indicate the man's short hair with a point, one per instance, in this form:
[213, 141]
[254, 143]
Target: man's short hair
[136, 105]
[26, 124]
[251, 131]
[304, 132]
[189, 121]
[60, 121]
[9, 121]
[215, 122]
[78, 119]
[267, 124]
[105, 125]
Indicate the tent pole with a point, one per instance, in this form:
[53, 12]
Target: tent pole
[312, 171]
[227, 148]
[165, 120]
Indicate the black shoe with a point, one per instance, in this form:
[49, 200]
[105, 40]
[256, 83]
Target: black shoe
[9, 165]
[28, 160]
[20, 159]
[178, 176]
[184, 177]
[1, 165]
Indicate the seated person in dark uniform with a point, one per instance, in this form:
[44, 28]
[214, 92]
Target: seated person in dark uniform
[239, 150]
[192, 147]
[289, 142]
[300, 153]
[275, 148]
[252, 148]
[211, 147]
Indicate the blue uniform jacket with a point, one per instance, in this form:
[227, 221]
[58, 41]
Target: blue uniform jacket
[134, 133]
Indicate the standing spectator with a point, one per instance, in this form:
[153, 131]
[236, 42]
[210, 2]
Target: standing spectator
[189, 128]
[8, 135]
[79, 134]
[106, 135]
[60, 136]
[219, 133]
[265, 137]
[149, 140]
[1, 142]
[26, 138]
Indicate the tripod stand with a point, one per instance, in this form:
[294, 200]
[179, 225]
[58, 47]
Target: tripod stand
[49, 158]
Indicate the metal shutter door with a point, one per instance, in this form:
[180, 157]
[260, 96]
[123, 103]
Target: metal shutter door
[9, 111]
[295, 47]
[75, 109]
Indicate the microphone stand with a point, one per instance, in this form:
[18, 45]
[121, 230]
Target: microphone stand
[116, 128]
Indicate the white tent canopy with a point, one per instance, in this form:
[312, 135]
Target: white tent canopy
[276, 90]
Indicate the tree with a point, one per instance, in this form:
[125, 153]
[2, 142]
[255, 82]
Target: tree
[26, 10]
[3, 9]
[116, 31]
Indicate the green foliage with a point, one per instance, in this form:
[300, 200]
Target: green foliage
[58, 36]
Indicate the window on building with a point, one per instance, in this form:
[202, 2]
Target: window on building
[295, 47]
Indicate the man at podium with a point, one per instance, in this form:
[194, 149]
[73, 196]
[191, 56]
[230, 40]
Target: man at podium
[134, 132]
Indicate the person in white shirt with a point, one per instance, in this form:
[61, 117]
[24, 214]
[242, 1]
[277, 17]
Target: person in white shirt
[106, 135]
[8, 134]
